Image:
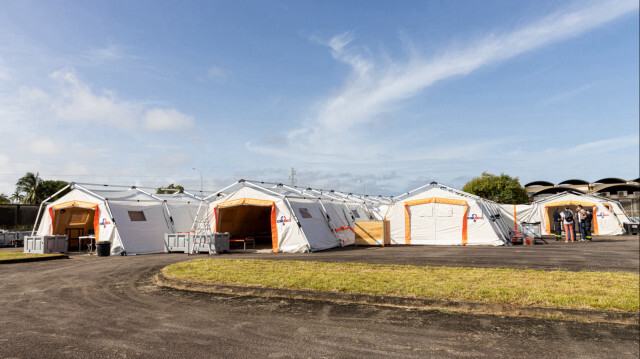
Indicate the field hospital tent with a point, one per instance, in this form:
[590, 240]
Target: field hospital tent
[608, 215]
[284, 218]
[440, 215]
[135, 221]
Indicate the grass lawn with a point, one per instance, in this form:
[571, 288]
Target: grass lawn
[19, 255]
[555, 289]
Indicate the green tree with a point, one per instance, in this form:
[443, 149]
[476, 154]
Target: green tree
[17, 197]
[48, 188]
[4, 199]
[501, 189]
[28, 184]
[170, 189]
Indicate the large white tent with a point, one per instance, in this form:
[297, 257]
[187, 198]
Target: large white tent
[608, 214]
[436, 214]
[288, 219]
[133, 220]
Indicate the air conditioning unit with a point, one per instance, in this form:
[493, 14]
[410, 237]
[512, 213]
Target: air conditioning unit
[622, 193]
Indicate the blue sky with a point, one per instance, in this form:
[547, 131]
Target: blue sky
[394, 94]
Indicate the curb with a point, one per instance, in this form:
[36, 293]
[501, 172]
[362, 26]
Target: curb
[405, 302]
[33, 259]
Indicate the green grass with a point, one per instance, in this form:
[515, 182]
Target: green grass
[20, 255]
[554, 289]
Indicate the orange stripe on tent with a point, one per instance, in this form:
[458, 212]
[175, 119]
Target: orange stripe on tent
[344, 229]
[417, 202]
[254, 202]
[569, 203]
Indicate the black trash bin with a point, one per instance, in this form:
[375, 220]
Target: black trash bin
[103, 248]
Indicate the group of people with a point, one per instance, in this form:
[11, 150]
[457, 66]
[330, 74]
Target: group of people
[567, 219]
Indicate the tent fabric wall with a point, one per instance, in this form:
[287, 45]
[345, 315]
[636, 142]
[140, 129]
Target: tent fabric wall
[440, 215]
[113, 207]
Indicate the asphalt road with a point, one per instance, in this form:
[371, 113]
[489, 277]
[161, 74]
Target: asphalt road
[109, 307]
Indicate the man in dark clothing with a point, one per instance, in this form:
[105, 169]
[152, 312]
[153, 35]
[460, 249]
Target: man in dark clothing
[557, 224]
[587, 224]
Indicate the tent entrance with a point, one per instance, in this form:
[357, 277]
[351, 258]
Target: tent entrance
[573, 205]
[247, 221]
[75, 222]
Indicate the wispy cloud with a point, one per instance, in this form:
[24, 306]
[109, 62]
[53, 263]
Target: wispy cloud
[375, 87]
[74, 101]
[566, 95]
[163, 119]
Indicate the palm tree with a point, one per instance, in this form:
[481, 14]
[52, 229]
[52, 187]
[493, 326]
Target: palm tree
[4, 199]
[29, 184]
[17, 197]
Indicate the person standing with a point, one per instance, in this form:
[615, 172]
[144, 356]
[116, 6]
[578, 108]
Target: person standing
[587, 224]
[557, 224]
[582, 216]
[567, 219]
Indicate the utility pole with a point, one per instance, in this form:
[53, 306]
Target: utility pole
[292, 177]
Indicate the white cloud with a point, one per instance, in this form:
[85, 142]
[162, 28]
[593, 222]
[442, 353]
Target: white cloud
[76, 102]
[566, 95]
[167, 119]
[373, 89]
[608, 145]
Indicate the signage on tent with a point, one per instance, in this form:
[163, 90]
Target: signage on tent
[283, 220]
[602, 215]
[104, 223]
[475, 217]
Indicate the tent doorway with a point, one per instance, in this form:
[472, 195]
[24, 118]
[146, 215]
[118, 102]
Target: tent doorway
[550, 208]
[75, 222]
[244, 221]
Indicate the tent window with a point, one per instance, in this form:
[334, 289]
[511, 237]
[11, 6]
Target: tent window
[78, 218]
[304, 213]
[355, 214]
[137, 216]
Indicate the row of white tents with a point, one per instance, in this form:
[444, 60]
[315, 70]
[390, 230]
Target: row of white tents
[291, 219]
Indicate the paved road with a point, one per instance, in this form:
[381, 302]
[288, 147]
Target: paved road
[109, 307]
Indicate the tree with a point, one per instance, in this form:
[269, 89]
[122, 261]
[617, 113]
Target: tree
[170, 189]
[501, 189]
[4, 199]
[17, 197]
[28, 184]
[48, 188]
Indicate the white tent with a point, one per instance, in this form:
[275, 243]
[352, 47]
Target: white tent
[134, 220]
[287, 219]
[435, 214]
[608, 214]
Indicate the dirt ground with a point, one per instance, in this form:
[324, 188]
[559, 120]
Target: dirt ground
[105, 307]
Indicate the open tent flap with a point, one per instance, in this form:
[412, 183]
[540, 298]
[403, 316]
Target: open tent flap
[141, 227]
[340, 223]
[314, 225]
